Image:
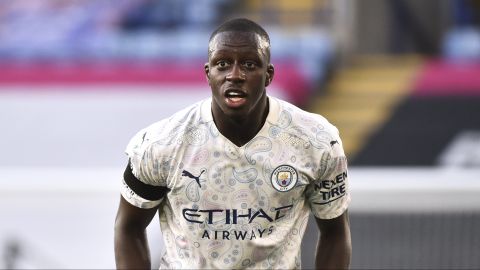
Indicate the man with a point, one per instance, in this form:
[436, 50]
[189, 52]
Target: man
[234, 177]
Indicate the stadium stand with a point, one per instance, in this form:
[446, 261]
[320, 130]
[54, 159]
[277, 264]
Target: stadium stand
[443, 103]
[362, 96]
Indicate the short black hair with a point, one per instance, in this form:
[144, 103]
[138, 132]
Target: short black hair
[241, 25]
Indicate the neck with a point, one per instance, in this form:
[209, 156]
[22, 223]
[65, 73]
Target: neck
[241, 130]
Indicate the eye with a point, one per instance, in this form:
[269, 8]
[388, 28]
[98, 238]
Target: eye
[250, 64]
[222, 64]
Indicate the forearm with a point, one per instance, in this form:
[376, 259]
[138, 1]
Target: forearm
[334, 252]
[131, 250]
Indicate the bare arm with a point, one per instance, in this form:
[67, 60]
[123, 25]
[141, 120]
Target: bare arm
[334, 246]
[131, 245]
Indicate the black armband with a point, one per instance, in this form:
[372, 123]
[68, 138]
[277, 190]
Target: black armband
[149, 192]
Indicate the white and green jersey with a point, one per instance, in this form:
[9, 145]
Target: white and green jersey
[238, 207]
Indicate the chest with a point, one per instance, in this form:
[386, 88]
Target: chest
[219, 182]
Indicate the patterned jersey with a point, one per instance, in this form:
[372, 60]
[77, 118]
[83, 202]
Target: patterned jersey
[238, 207]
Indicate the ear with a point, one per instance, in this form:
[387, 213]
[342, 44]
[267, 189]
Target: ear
[270, 74]
[207, 72]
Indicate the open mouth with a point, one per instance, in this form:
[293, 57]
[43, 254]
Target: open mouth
[235, 96]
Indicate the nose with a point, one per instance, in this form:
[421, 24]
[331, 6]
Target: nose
[236, 73]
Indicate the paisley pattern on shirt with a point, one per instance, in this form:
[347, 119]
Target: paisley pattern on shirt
[239, 207]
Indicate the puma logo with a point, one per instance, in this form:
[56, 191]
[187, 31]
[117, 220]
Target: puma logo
[189, 175]
[332, 143]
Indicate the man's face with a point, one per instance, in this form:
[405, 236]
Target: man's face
[238, 71]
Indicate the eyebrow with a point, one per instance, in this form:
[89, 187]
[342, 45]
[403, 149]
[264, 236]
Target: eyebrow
[237, 45]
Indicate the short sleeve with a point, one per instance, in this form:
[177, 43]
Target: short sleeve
[329, 196]
[142, 185]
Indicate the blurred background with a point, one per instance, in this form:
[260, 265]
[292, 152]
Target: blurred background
[399, 78]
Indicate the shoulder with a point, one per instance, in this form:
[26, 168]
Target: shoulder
[167, 130]
[161, 141]
[313, 125]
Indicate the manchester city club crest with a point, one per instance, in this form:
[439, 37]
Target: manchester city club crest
[284, 178]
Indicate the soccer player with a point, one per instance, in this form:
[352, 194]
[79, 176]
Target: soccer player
[234, 177]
